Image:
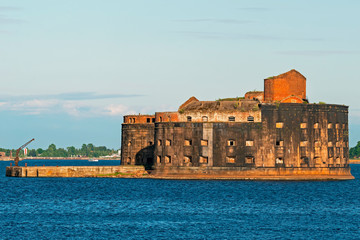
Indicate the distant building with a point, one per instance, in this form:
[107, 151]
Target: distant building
[275, 134]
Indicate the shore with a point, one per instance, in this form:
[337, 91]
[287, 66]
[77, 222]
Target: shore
[354, 161]
[58, 158]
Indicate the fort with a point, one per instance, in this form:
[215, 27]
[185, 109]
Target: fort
[275, 134]
[270, 134]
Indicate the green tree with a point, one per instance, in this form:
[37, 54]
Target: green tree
[39, 151]
[71, 151]
[52, 148]
[84, 150]
[32, 153]
[355, 151]
[61, 153]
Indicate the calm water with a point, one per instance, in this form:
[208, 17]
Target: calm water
[98, 208]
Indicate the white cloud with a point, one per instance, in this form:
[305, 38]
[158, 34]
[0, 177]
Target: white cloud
[78, 105]
[34, 106]
[116, 110]
[71, 108]
[36, 103]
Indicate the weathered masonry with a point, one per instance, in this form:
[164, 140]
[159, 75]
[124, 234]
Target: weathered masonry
[275, 134]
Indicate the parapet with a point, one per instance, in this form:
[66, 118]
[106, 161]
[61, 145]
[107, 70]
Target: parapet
[166, 117]
[255, 95]
[132, 119]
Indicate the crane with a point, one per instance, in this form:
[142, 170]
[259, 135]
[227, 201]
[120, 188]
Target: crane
[18, 150]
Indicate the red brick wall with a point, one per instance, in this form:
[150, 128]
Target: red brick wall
[284, 86]
[139, 119]
[167, 117]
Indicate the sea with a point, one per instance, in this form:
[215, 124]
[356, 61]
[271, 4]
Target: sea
[111, 208]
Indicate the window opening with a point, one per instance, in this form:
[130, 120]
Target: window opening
[187, 159]
[187, 142]
[230, 159]
[204, 142]
[250, 118]
[279, 160]
[249, 160]
[203, 159]
[167, 159]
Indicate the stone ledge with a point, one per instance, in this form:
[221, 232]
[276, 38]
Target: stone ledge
[184, 173]
[76, 171]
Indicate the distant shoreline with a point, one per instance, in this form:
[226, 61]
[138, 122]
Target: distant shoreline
[60, 158]
[354, 161]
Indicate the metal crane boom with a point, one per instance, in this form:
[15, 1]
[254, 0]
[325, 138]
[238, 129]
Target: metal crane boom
[18, 150]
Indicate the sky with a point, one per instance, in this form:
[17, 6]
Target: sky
[71, 69]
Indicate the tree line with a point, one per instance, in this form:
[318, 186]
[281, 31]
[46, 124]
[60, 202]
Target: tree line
[354, 152]
[86, 150]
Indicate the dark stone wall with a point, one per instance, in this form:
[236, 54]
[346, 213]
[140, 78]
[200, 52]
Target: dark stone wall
[308, 135]
[238, 133]
[290, 135]
[137, 144]
[321, 142]
[177, 133]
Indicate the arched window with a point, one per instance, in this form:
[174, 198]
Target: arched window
[231, 119]
[160, 119]
[204, 118]
[188, 119]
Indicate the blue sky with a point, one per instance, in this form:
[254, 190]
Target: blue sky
[71, 69]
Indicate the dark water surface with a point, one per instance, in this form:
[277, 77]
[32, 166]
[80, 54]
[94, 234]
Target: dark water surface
[100, 208]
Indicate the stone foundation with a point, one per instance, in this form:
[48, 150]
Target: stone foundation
[76, 171]
[243, 173]
[207, 173]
